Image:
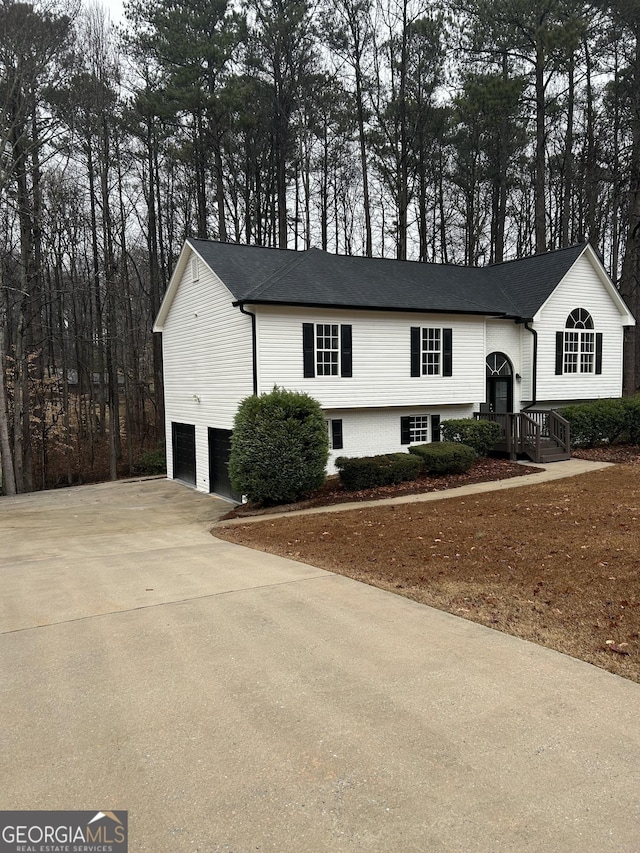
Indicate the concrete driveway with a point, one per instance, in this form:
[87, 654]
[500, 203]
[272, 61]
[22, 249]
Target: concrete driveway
[235, 701]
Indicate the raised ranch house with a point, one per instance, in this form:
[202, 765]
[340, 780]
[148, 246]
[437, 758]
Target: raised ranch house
[389, 348]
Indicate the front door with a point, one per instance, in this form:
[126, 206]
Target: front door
[499, 383]
[500, 394]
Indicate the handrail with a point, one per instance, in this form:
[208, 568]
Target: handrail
[560, 430]
[530, 433]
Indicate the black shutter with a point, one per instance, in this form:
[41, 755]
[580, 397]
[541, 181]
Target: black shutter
[435, 427]
[598, 352]
[405, 430]
[345, 352]
[559, 352]
[415, 351]
[308, 351]
[447, 352]
[336, 434]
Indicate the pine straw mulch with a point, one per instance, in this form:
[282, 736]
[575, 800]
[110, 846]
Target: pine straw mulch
[333, 492]
[555, 563]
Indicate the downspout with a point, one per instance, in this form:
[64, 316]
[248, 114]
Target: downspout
[534, 378]
[254, 347]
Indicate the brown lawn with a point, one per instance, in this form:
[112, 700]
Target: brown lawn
[556, 563]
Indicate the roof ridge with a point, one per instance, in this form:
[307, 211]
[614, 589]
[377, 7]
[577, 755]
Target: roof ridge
[573, 246]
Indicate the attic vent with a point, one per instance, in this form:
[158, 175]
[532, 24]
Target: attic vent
[195, 269]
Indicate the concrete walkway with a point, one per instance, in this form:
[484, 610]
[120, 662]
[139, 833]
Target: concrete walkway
[235, 701]
[546, 474]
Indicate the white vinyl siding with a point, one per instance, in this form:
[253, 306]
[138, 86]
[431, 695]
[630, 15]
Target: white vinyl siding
[381, 358]
[581, 287]
[207, 361]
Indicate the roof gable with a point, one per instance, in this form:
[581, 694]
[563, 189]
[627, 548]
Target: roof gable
[531, 281]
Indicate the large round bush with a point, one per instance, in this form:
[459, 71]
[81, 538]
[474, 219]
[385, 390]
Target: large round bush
[279, 447]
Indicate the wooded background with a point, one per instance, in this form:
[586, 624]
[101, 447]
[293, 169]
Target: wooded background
[461, 131]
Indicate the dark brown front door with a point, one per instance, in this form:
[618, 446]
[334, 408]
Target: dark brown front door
[500, 393]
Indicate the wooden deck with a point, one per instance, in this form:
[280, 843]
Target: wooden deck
[543, 436]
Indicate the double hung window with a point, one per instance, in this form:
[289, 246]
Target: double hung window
[326, 349]
[431, 351]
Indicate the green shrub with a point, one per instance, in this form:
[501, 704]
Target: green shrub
[445, 457]
[152, 462]
[632, 406]
[279, 447]
[479, 434]
[581, 425]
[367, 472]
[602, 421]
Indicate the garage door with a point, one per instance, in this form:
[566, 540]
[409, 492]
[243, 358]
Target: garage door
[184, 452]
[219, 453]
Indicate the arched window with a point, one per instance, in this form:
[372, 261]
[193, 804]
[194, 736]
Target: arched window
[579, 347]
[498, 364]
[579, 319]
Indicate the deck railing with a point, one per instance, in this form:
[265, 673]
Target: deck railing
[509, 441]
[560, 431]
[541, 418]
[524, 432]
[530, 434]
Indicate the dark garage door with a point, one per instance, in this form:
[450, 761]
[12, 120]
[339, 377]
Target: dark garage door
[219, 452]
[184, 452]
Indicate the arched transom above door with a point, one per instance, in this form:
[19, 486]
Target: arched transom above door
[498, 365]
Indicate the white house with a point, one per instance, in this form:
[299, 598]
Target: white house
[389, 348]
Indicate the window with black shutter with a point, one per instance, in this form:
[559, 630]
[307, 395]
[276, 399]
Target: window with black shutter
[578, 347]
[414, 429]
[327, 350]
[431, 351]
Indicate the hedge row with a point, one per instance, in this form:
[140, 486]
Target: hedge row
[604, 421]
[445, 457]
[367, 472]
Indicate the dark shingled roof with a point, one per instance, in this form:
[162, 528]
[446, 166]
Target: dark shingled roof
[284, 277]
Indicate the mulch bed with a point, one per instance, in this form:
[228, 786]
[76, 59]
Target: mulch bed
[617, 453]
[333, 492]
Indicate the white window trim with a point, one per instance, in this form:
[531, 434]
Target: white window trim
[579, 343]
[419, 426]
[334, 351]
[435, 350]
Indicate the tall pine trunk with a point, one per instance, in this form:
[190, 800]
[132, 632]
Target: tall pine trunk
[630, 280]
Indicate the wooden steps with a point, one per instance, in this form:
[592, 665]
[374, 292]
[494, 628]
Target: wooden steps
[549, 452]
